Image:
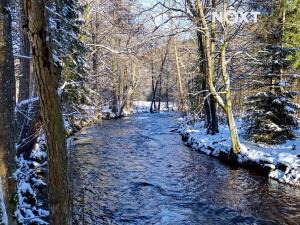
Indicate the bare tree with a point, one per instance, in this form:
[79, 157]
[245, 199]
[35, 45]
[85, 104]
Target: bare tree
[225, 105]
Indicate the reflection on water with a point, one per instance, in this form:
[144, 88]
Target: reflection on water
[136, 171]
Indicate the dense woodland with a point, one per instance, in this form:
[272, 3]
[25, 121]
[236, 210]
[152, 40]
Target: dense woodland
[65, 64]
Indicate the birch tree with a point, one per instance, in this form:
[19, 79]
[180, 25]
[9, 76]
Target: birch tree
[225, 105]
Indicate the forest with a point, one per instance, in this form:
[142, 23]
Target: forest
[149, 112]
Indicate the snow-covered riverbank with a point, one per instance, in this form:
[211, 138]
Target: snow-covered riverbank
[138, 107]
[31, 174]
[279, 162]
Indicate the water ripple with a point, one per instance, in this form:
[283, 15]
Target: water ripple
[136, 171]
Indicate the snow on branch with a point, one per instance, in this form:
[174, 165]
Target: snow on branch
[22, 56]
[26, 102]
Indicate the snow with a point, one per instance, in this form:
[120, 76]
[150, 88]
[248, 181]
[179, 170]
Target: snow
[283, 83]
[290, 109]
[29, 184]
[283, 160]
[144, 106]
[273, 126]
[4, 219]
[26, 102]
[138, 107]
[55, 59]
[22, 56]
[38, 150]
[31, 181]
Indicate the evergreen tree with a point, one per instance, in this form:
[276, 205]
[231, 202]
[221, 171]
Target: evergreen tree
[292, 31]
[272, 112]
[69, 50]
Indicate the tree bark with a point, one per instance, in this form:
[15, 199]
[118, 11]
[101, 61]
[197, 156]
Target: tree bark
[24, 78]
[210, 109]
[114, 71]
[7, 104]
[203, 75]
[235, 142]
[153, 85]
[95, 30]
[159, 93]
[182, 98]
[182, 105]
[214, 126]
[131, 85]
[47, 83]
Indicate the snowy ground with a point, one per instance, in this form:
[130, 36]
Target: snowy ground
[281, 161]
[139, 107]
[144, 106]
[31, 173]
[3, 215]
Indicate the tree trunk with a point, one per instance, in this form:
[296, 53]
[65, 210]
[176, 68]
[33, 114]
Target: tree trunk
[235, 142]
[182, 105]
[203, 75]
[159, 92]
[167, 91]
[24, 78]
[214, 126]
[7, 104]
[236, 146]
[114, 70]
[227, 106]
[47, 83]
[131, 87]
[182, 101]
[96, 61]
[153, 103]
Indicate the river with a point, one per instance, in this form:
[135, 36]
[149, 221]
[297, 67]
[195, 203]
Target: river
[137, 171]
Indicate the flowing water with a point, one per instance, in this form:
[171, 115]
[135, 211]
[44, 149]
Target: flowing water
[137, 171]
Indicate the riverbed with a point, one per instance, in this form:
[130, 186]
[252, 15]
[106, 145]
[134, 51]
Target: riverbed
[137, 171]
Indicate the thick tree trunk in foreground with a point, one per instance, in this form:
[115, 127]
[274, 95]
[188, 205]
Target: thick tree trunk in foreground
[7, 104]
[47, 83]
